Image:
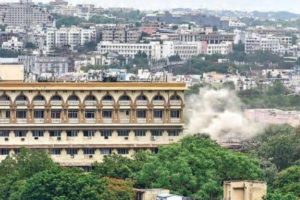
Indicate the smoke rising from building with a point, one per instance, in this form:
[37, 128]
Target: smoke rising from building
[218, 113]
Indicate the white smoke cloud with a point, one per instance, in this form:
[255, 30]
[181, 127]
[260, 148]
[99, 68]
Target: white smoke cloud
[219, 114]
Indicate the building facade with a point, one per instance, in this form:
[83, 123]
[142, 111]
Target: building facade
[24, 13]
[80, 123]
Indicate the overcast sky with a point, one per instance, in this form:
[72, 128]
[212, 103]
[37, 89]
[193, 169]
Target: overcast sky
[249, 5]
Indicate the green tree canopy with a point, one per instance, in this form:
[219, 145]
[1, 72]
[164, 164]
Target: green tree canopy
[197, 167]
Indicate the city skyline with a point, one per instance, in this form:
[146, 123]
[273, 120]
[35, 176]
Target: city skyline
[245, 5]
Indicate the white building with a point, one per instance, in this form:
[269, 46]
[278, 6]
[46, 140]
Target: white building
[72, 37]
[223, 48]
[24, 13]
[154, 50]
[13, 44]
[276, 44]
[186, 50]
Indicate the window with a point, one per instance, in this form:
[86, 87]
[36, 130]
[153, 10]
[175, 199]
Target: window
[89, 133]
[55, 133]
[123, 133]
[55, 114]
[140, 133]
[106, 133]
[4, 133]
[73, 114]
[20, 134]
[72, 133]
[89, 114]
[21, 114]
[89, 151]
[158, 113]
[38, 114]
[37, 133]
[72, 151]
[141, 113]
[173, 132]
[156, 132]
[107, 113]
[175, 113]
[4, 151]
[55, 151]
[7, 114]
[105, 151]
[123, 151]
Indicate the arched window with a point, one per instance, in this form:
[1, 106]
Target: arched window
[4, 97]
[125, 98]
[56, 98]
[90, 98]
[21, 98]
[39, 98]
[175, 98]
[142, 98]
[73, 98]
[158, 98]
[107, 98]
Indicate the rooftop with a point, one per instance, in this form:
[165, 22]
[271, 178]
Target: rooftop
[92, 86]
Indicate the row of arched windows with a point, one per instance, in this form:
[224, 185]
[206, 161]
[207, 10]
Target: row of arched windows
[107, 97]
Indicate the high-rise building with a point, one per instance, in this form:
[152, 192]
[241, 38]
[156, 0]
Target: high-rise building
[24, 13]
[80, 123]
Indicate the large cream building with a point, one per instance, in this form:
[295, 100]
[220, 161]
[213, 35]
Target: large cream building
[80, 123]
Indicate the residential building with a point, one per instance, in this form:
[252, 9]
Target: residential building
[80, 123]
[72, 37]
[222, 48]
[13, 44]
[119, 33]
[24, 13]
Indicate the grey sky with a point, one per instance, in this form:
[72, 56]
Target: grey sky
[249, 5]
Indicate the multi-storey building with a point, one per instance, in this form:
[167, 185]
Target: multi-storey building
[13, 44]
[24, 13]
[186, 50]
[72, 37]
[80, 123]
[154, 50]
[119, 33]
[223, 48]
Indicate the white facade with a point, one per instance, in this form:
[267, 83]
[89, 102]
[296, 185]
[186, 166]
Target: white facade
[186, 50]
[223, 48]
[73, 37]
[154, 50]
[13, 44]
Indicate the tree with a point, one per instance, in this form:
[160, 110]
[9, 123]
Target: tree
[119, 189]
[30, 45]
[68, 21]
[280, 196]
[15, 170]
[5, 53]
[197, 167]
[279, 145]
[288, 181]
[67, 184]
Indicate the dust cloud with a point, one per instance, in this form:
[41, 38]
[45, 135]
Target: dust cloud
[219, 114]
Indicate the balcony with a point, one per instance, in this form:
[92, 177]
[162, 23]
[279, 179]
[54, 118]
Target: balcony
[158, 102]
[39, 103]
[21, 103]
[175, 120]
[73, 103]
[4, 121]
[142, 102]
[175, 102]
[39, 120]
[107, 103]
[56, 121]
[141, 120]
[21, 121]
[90, 103]
[124, 103]
[73, 120]
[4, 103]
[125, 121]
[107, 120]
[158, 120]
[56, 102]
[90, 120]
